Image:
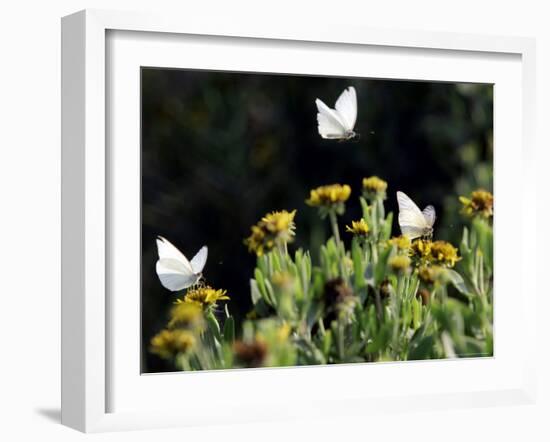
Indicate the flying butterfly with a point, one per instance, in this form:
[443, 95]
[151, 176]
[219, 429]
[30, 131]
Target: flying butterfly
[414, 223]
[338, 123]
[174, 270]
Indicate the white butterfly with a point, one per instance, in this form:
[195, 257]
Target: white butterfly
[413, 222]
[173, 268]
[338, 123]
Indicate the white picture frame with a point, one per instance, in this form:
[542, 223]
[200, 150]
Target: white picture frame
[88, 322]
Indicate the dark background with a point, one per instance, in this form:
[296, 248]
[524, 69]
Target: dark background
[219, 150]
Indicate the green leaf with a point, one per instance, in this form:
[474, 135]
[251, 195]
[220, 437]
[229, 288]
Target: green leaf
[213, 325]
[255, 292]
[416, 305]
[259, 276]
[381, 340]
[423, 349]
[380, 269]
[365, 208]
[386, 228]
[229, 330]
[327, 342]
[457, 281]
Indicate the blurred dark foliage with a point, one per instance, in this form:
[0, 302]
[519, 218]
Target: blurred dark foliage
[219, 150]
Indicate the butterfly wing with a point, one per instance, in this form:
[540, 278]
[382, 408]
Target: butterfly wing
[199, 260]
[173, 268]
[329, 122]
[429, 215]
[174, 275]
[411, 219]
[167, 250]
[346, 106]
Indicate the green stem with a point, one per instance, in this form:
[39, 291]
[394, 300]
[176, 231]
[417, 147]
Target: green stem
[334, 225]
[341, 343]
[336, 233]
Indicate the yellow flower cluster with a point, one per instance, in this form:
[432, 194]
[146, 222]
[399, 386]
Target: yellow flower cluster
[400, 263]
[359, 228]
[168, 343]
[479, 203]
[329, 196]
[204, 296]
[374, 186]
[403, 243]
[437, 252]
[276, 228]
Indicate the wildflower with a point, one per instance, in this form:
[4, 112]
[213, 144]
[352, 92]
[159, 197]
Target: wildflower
[331, 197]
[479, 203]
[258, 242]
[438, 252]
[403, 243]
[280, 224]
[400, 263]
[359, 228]
[275, 228]
[444, 253]
[421, 249]
[168, 343]
[374, 187]
[186, 314]
[250, 354]
[205, 296]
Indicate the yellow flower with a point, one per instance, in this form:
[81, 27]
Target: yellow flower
[280, 224]
[257, 241]
[374, 186]
[444, 253]
[329, 196]
[403, 243]
[400, 263]
[205, 296]
[438, 252]
[479, 203]
[421, 249]
[275, 228]
[186, 314]
[168, 343]
[359, 228]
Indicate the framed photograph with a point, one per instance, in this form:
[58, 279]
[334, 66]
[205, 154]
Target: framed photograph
[284, 221]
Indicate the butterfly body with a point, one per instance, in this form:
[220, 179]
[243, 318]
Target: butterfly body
[338, 123]
[415, 223]
[174, 270]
